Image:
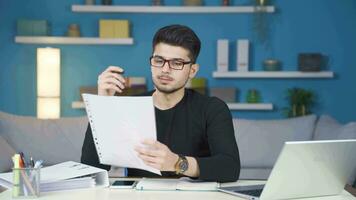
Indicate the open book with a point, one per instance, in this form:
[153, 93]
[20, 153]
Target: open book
[64, 176]
[176, 184]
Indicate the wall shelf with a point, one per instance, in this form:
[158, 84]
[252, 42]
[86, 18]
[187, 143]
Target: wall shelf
[250, 106]
[78, 105]
[232, 106]
[278, 74]
[171, 9]
[72, 40]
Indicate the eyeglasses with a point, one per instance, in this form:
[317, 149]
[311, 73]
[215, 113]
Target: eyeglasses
[157, 61]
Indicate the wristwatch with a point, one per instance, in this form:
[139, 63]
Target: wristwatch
[181, 165]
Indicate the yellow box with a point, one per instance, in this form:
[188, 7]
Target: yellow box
[106, 29]
[122, 29]
[114, 28]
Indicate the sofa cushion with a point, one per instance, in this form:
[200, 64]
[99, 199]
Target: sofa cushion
[54, 141]
[327, 128]
[260, 141]
[6, 152]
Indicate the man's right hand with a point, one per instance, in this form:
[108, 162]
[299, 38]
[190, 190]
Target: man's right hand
[111, 81]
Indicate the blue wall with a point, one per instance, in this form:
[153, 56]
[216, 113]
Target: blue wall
[326, 26]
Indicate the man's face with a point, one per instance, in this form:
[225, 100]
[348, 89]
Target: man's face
[169, 80]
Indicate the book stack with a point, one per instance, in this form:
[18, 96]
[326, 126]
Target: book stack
[227, 94]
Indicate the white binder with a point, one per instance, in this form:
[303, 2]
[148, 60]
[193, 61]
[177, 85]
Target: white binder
[64, 176]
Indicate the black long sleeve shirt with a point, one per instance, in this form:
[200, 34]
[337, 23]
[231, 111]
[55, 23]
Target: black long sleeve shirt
[198, 126]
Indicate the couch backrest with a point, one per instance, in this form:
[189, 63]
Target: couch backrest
[328, 128]
[260, 141]
[54, 141]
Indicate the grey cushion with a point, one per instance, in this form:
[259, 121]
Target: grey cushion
[260, 141]
[6, 152]
[327, 128]
[53, 141]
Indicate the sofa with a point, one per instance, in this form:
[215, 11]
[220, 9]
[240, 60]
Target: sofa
[259, 141]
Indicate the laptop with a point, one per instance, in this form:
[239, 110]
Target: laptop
[305, 169]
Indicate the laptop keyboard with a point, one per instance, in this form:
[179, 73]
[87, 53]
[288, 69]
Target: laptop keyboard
[255, 193]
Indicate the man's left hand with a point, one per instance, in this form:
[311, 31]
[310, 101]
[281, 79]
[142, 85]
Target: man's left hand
[157, 155]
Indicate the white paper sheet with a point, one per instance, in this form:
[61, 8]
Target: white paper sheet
[118, 125]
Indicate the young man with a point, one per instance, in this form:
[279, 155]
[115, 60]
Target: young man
[194, 132]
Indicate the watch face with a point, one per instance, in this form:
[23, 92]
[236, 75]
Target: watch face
[183, 166]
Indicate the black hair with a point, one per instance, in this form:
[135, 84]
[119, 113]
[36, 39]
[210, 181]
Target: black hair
[179, 35]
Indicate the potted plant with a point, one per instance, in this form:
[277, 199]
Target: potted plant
[261, 22]
[300, 101]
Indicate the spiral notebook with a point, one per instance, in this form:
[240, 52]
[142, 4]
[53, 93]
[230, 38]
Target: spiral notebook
[118, 125]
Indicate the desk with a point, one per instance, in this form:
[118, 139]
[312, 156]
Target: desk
[130, 194]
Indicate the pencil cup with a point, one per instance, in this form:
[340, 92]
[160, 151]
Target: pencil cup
[26, 182]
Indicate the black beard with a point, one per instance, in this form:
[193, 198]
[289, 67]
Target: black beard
[169, 91]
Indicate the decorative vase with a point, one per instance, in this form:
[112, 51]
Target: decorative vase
[157, 2]
[225, 2]
[73, 30]
[298, 110]
[106, 2]
[253, 96]
[89, 2]
[271, 65]
[192, 2]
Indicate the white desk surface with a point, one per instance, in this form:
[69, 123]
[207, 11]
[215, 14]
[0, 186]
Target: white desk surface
[131, 194]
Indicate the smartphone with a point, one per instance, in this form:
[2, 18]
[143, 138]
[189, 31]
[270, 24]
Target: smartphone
[123, 184]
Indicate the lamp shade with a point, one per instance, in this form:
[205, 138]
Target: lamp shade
[48, 72]
[48, 83]
[48, 108]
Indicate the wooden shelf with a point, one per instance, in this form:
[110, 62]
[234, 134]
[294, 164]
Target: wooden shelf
[232, 106]
[78, 105]
[250, 106]
[277, 74]
[172, 9]
[72, 40]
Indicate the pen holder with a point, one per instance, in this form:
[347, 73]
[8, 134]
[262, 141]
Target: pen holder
[26, 182]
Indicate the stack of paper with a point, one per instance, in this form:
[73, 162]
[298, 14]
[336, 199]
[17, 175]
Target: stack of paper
[64, 176]
[176, 184]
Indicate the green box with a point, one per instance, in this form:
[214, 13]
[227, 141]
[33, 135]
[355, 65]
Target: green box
[27, 27]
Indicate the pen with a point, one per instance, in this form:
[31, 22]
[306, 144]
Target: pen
[38, 163]
[22, 160]
[32, 162]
